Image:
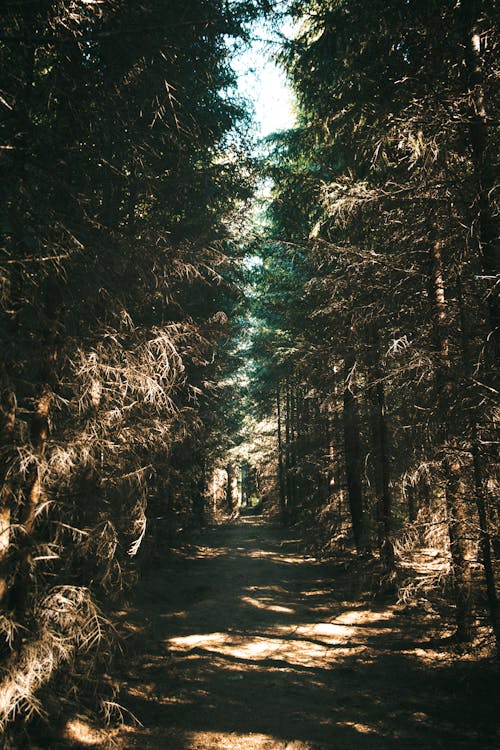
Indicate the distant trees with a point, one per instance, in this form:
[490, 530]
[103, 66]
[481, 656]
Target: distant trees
[381, 189]
[120, 167]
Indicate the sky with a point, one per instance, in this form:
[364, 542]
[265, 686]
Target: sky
[264, 84]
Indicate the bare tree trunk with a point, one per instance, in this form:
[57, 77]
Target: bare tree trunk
[322, 449]
[380, 439]
[300, 432]
[483, 155]
[459, 547]
[198, 495]
[485, 540]
[454, 490]
[329, 452]
[412, 508]
[352, 452]
[479, 483]
[489, 247]
[293, 455]
[281, 477]
[231, 489]
[288, 452]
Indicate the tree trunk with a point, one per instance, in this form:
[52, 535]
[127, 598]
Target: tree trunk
[412, 507]
[300, 432]
[281, 477]
[479, 483]
[198, 494]
[459, 547]
[380, 440]
[288, 453]
[293, 455]
[483, 156]
[454, 491]
[485, 541]
[352, 453]
[330, 473]
[231, 489]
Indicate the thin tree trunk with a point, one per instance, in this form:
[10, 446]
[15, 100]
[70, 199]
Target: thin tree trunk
[321, 448]
[301, 427]
[410, 498]
[454, 490]
[281, 478]
[198, 494]
[231, 489]
[485, 540]
[293, 454]
[330, 452]
[482, 155]
[459, 547]
[352, 453]
[290, 460]
[479, 483]
[380, 439]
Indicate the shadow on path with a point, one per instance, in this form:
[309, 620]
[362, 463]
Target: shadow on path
[245, 643]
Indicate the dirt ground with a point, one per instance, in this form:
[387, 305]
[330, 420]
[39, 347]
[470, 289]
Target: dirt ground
[241, 641]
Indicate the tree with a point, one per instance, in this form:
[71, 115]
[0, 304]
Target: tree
[389, 222]
[121, 167]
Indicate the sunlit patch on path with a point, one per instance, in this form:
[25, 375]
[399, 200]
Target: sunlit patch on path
[247, 644]
[307, 644]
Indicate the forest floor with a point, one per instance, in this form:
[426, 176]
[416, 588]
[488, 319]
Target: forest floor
[242, 642]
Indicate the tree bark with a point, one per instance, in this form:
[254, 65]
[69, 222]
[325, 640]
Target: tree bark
[482, 156]
[485, 541]
[454, 490]
[380, 440]
[479, 482]
[410, 498]
[293, 454]
[288, 453]
[281, 477]
[352, 452]
[231, 489]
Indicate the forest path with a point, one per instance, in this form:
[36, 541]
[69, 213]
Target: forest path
[241, 642]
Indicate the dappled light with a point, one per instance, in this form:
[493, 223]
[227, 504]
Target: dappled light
[266, 603]
[83, 734]
[277, 654]
[287, 559]
[232, 741]
[291, 651]
[249, 322]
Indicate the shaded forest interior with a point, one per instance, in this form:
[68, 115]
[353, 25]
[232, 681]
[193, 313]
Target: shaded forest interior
[210, 347]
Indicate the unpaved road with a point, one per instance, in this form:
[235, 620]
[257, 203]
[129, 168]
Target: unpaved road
[242, 642]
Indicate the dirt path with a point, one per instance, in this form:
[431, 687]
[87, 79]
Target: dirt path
[245, 643]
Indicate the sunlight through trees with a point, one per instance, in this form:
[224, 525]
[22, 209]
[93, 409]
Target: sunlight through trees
[194, 325]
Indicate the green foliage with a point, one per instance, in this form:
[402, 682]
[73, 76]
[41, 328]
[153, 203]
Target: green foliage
[122, 167]
[383, 202]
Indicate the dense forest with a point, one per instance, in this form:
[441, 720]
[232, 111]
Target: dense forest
[191, 326]
[377, 305]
